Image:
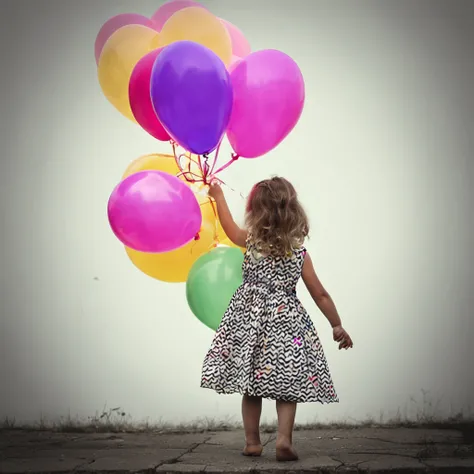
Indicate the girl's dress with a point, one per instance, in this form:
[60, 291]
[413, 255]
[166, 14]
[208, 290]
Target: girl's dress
[266, 344]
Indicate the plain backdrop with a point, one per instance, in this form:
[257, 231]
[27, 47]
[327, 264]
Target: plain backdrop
[382, 158]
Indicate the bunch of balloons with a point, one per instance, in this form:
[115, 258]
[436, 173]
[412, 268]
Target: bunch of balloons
[190, 79]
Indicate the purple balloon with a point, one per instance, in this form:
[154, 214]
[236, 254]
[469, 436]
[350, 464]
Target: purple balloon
[153, 211]
[192, 95]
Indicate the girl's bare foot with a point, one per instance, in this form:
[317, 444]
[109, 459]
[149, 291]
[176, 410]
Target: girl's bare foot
[284, 443]
[253, 450]
[285, 452]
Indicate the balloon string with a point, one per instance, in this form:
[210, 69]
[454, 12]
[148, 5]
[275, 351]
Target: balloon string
[205, 169]
[178, 159]
[216, 156]
[223, 183]
[190, 159]
[189, 166]
[216, 226]
[234, 158]
[210, 202]
[186, 175]
[201, 169]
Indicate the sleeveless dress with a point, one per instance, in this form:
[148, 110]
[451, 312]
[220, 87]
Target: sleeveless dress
[266, 344]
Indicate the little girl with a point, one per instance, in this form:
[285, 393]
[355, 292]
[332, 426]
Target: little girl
[266, 345]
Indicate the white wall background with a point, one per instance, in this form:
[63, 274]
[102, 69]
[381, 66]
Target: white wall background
[383, 161]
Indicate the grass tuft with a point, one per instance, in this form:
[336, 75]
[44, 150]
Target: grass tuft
[116, 420]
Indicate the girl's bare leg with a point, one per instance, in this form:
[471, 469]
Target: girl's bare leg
[286, 420]
[251, 411]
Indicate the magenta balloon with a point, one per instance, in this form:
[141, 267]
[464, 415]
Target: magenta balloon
[167, 10]
[240, 45]
[140, 99]
[269, 95]
[113, 24]
[153, 211]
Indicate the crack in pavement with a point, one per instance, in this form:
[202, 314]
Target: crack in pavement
[83, 465]
[382, 453]
[177, 459]
[343, 464]
[347, 453]
[357, 464]
[389, 441]
[269, 440]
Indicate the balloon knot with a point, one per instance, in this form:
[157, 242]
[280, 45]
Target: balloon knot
[235, 156]
[197, 237]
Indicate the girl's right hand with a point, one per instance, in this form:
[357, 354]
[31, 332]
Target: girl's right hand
[215, 190]
[340, 335]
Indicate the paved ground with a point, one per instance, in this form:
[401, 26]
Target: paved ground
[400, 450]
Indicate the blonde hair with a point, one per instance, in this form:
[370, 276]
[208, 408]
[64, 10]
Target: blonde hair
[275, 219]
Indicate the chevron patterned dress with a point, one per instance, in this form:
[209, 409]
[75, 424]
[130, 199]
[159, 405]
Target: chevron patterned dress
[266, 344]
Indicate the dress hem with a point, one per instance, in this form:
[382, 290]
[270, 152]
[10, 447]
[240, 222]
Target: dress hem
[267, 396]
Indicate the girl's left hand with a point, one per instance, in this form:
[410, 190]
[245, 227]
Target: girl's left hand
[340, 335]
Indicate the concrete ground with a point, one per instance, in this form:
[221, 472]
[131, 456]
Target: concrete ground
[375, 450]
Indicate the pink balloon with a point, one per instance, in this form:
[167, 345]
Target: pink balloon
[116, 22]
[153, 211]
[240, 45]
[269, 95]
[233, 62]
[161, 16]
[140, 99]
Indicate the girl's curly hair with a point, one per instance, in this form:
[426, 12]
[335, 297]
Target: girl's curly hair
[275, 219]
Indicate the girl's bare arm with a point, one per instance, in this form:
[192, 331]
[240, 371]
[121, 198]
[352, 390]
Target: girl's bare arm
[237, 235]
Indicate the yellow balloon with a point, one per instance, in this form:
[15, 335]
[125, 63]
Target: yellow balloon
[220, 235]
[120, 54]
[198, 25]
[158, 162]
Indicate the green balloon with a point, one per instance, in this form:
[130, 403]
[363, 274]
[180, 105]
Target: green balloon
[211, 283]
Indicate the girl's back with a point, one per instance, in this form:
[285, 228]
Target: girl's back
[279, 272]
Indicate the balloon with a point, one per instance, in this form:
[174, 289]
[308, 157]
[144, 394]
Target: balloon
[211, 283]
[140, 100]
[192, 95]
[112, 25]
[161, 16]
[174, 266]
[240, 45]
[157, 162]
[121, 53]
[152, 211]
[200, 26]
[233, 63]
[269, 96]
[221, 236]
